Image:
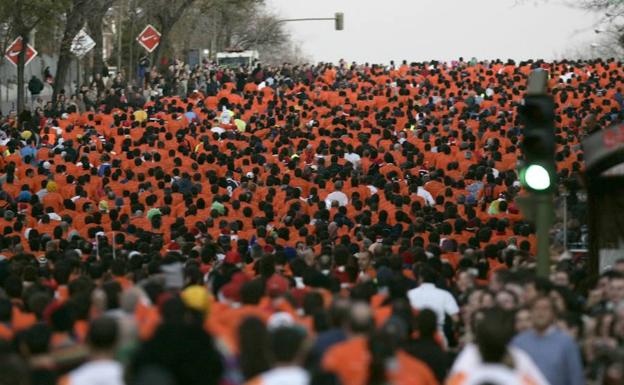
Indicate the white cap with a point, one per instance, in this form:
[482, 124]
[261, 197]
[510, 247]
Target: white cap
[280, 319]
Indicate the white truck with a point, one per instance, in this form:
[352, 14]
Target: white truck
[234, 59]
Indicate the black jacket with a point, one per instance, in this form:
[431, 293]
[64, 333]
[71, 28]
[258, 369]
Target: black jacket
[35, 86]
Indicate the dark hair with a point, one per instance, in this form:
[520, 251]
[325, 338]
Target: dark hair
[103, 333]
[382, 346]
[286, 343]
[253, 340]
[493, 332]
[427, 323]
[5, 310]
[251, 292]
[427, 274]
[36, 339]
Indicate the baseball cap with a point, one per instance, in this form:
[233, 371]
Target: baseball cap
[197, 298]
[277, 285]
[232, 257]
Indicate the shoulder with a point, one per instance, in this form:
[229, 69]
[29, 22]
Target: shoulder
[519, 336]
[468, 358]
[519, 356]
[258, 380]
[413, 292]
[446, 293]
[522, 338]
[93, 370]
[565, 338]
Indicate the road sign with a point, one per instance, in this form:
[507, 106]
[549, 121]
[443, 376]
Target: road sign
[12, 53]
[149, 38]
[82, 44]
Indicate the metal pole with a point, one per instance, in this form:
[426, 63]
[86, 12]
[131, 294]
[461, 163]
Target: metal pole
[565, 220]
[543, 223]
[119, 38]
[77, 75]
[131, 11]
[306, 19]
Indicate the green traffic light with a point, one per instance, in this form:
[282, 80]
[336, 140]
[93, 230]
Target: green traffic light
[537, 177]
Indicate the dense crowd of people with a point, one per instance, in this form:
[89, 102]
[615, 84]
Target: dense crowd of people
[345, 224]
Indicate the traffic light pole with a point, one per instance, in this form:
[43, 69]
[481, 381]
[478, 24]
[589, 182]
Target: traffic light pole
[338, 19]
[538, 170]
[306, 19]
[543, 223]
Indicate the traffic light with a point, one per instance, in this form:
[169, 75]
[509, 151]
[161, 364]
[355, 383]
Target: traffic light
[339, 20]
[538, 171]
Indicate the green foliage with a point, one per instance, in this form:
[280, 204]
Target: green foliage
[24, 15]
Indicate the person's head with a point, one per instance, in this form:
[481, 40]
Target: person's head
[543, 313]
[102, 335]
[523, 320]
[253, 338]
[615, 288]
[35, 340]
[427, 323]
[288, 345]
[506, 300]
[339, 312]
[534, 288]
[560, 278]
[427, 275]
[364, 260]
[493, 332]
[361, 319]
[465, 281]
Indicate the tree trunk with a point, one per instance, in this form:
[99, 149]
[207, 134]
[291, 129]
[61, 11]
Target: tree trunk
[131, 67]
[73, 24]
[74, 20]
[63, 64]
[162, 48]
[167, 22]
[21, 66]
[95, 31]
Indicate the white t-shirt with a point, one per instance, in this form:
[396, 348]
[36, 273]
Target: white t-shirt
[492, 374]
[218, 130]
[289, 375]
[353, 158]
[339, 196]
[469, 360]
[428, 296]
[101, 372]
[426, 195]
[373, 189]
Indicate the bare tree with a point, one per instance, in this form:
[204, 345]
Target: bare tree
[23, 16]
[258, 29]
[166, 13]
[238, 24]
[75, 18]
[610, 26]
[95, 21]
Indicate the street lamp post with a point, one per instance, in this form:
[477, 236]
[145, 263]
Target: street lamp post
[338, 20]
